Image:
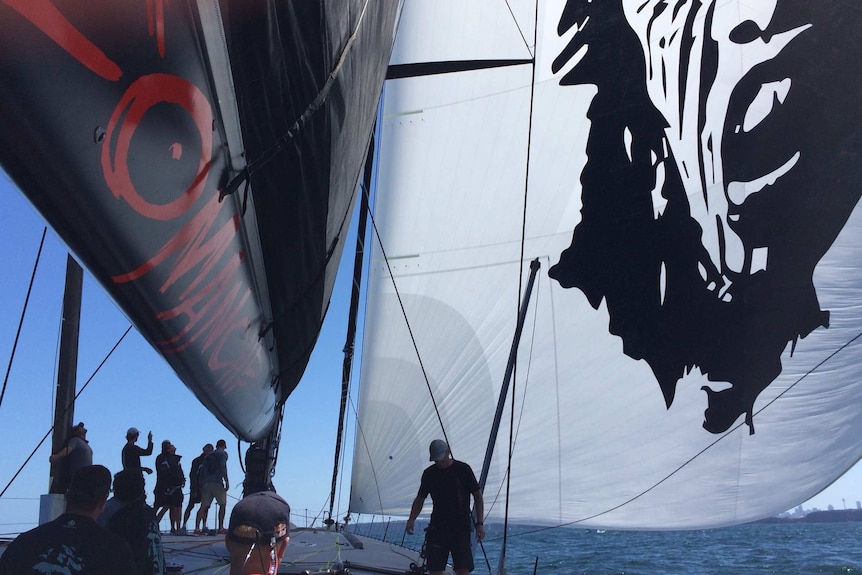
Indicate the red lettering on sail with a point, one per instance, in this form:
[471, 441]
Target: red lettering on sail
[45, 16]
[234, 370]
[200, 307]
[212, 306]
[156, 22]
[195, 245]
[229, 326]
[143, 94]
[213, 301]
[244, 369]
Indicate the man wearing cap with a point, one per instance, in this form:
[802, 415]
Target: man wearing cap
[77, 452]
[73, 543]
[132, 453]
[195, 483]
[450, 484]
[258, 533]
[214, 485]
[170, 481]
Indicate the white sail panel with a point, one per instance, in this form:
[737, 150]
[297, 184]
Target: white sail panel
[689, 353]
[484, 30]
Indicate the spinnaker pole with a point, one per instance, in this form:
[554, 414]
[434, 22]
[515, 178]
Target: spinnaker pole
[510, 366]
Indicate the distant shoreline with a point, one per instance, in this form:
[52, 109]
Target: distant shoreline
[832, 516]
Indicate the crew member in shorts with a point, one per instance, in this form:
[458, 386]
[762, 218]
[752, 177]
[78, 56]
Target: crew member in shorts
[214, 485]
[450, 484]
[195, 483]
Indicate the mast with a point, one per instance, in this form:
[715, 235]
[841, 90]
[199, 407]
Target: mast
[352, 316]
[260, 460]
[67, 368]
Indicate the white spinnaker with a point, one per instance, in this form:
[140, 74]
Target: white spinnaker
[594, 443]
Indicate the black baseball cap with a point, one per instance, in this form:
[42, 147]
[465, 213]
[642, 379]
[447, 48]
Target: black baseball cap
[259, 517]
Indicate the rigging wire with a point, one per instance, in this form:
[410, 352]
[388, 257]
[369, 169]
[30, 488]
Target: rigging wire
[521, 32]
[418, 358]
[520, 284]
[501, 566]
[23, 312]
[51, 429]
[360, 431]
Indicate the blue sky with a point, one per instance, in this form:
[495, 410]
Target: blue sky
[136, 387]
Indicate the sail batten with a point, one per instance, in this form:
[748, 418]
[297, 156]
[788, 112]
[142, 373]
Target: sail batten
[432, 68]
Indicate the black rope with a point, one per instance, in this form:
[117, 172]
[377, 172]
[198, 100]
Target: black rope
[23, 311]
[65, 409]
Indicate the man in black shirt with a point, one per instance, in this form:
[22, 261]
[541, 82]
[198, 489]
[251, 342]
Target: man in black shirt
[73, 543]
[450, 484]
[131, 454]
[170, 481]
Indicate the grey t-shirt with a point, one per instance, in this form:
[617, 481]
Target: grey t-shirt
[80, 454]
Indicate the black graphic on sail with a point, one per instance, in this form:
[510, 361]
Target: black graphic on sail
[722, 164]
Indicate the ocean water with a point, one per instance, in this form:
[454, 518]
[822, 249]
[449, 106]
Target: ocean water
[757, 549]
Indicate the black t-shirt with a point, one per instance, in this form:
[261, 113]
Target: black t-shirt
[71, 544]
[131, 455]
[195, 473]
[169, 472]
[136, 523]
[450, 489]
